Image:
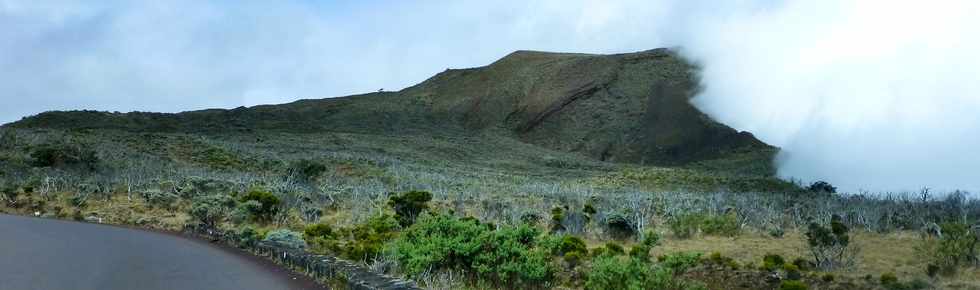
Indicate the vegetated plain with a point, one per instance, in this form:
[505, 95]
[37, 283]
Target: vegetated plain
[541, 170]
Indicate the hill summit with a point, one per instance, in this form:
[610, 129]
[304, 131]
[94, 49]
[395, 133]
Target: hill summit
[631, 108]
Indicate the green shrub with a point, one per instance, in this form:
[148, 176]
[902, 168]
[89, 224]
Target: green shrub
[777, 232]
[368, 239]
[932, 270]
[827, 277]
[792, 285]
[268, 204]
[513, 258]
[307, 170]
[614, 249]
[160, 199]
[508, 256]
[211, 209]
[8, 139]
[718, 259]
[888, 278]
[620, 272]
[685, 226]
[640, 251]
[721, 225]
[318, 230]
[617, 272]
[77, 215]
[248, 237]
[409, 205]
[589, 209]
[890, 281]
[285, 238]
[439, 242]
[321, 238]
[792, 272]
[681, 261]
[557, 216]
[60, 155]
[530, 218]
[956, 247]
[218, 158]
[771, 262]
[651, 239]
[246, 211]
[78, 200]
[572, 244]
[574, 259]
[830, 247]
[822, 187]
[803, 264]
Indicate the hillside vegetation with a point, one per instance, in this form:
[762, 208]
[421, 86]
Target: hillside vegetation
[541, 170]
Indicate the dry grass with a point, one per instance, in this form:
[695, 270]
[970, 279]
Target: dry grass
[879, 253]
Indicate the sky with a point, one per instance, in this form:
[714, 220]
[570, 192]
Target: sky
[869, 95]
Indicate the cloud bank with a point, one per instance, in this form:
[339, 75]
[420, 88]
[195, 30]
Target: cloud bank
[877, 95]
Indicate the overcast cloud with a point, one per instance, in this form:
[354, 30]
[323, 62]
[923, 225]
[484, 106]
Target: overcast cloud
[878, 95]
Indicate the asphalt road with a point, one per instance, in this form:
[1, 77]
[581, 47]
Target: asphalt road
[48, 254]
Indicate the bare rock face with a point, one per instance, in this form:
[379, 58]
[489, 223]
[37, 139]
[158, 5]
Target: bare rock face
[630, 108]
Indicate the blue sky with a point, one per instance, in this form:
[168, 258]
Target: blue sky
[872, 94]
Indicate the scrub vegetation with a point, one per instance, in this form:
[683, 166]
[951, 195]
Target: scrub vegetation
[462, 193]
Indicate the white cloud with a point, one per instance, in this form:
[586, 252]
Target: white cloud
[879, 95]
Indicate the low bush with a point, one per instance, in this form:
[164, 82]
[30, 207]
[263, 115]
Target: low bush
[409, 205]
[721, 225]
[248, 236]
[267, 207]
[557, 216]
[8, 139]
[803, 264]
[720, 260]
[822, 187]
[771, 262]
[932, 270]
[792, 285]
[286, 238]
[613, 248]
[888, 278]
[792, 272]
[156, 198]
[891, 282]
[687, 226]
[246, 211]
[307, 170]
[321, 238]
[680, 262]
[367, 240]
[62, 155]
[572, 244]
[956, 247]
[620, 272]
[514, 256]
[831, 247]
[211, 209]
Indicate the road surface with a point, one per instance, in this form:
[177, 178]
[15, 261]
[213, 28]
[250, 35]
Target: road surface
[46, 254]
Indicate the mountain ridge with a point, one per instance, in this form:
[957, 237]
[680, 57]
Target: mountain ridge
[630, 107]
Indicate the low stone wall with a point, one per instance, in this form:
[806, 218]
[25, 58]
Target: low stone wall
[317, 266]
